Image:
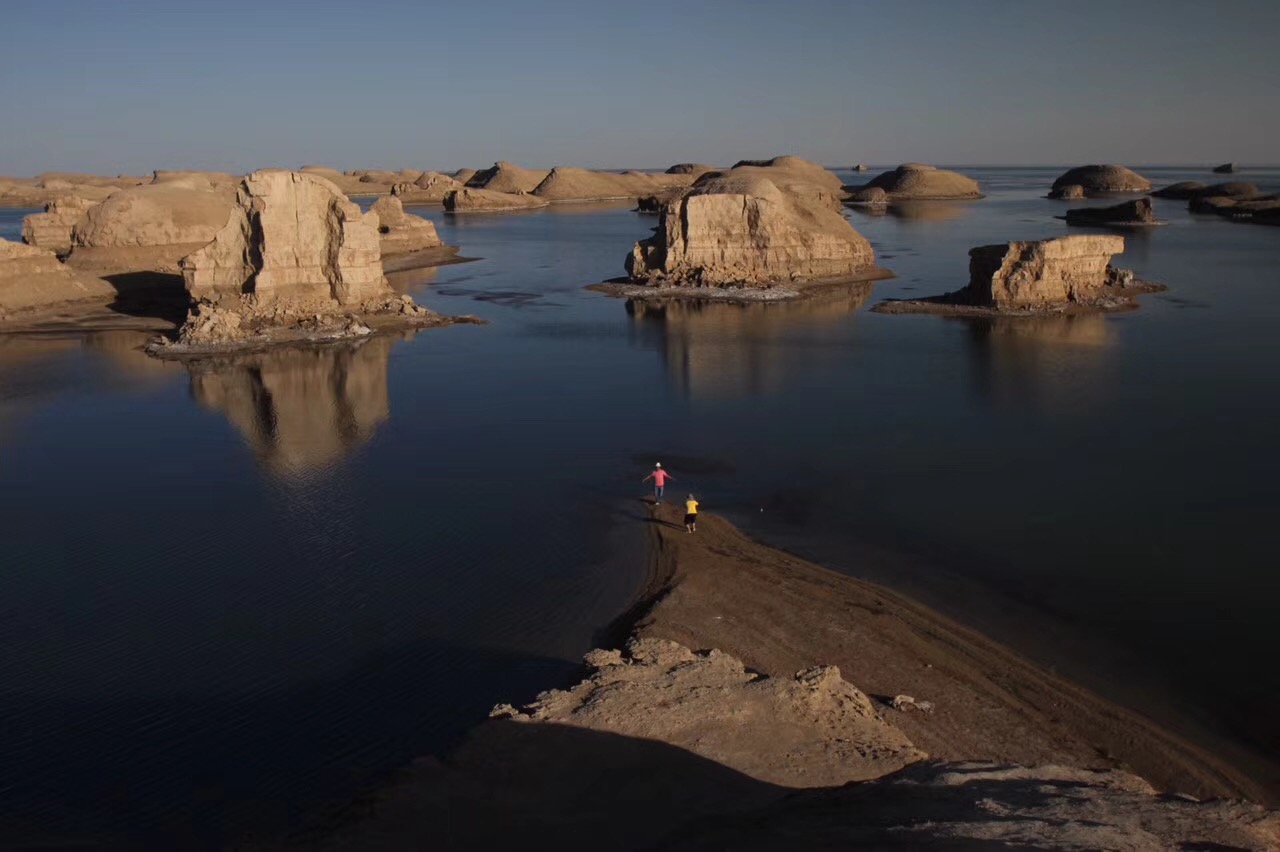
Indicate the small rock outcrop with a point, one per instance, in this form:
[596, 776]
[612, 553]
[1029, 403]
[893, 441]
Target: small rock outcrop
[812, 730]
[861, 167]
[32, 278]
[148, 228]
[52, 229]
[1103, 179]
[291, 238]
[1068, 192]
[1043, 272]
[468, 200]
[1225, 169]
[507, 177]
[402, 232]
[741, 229]
[429, 188]
[694, 169]
[1263, 210]
[1126, 214]
[917, 181]
[463, 175]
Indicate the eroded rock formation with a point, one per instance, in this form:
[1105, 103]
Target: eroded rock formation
[1224, 169]
[148, 228]
[1183, 189]
[742, 229]
[507, 177]
[429, 188]
[1067, 192]
[402, 232]
[565, 183]
[33, 278]
[293, 238]
[52, 228]
[922, 182]
[1126, 214]
[1103, 179]
[1043, 272]
[468, 200]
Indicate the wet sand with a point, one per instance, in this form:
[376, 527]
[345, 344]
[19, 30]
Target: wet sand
[778, 613]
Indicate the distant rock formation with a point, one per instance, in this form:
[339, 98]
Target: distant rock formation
[429, 188]
[1126, 214]
[565, 183]
[402, 232]
[1103, 179]
[917, 181]
[467, 200]
[292, 237]
[1067, 192]
[869, 195]
[148, 228]
[32, 278]
[464, 175]
[1224, 169]
[299, 409]
[795, 176]
[208, 181]
[861, 167]
[52, 228]
[507, 177]
[741, 229]
[1259, 210]
[693, 169]
[48, 186]
[1183, 189]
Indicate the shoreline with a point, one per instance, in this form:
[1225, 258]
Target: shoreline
[778, 614]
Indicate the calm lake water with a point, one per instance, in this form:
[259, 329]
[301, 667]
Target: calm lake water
[233, 591]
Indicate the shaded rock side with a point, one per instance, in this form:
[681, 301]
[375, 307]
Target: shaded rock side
[402, 232]
[468, 200]
[1102, 179]
[507, 177]
[1041, 272]
[1067, 192]
[52, 229]
[150, 227]
[1128, 213]
[565, 183]
[745, 230]
[922, 182]
[812, 730]
[693, 169]
[1224, 169]
[32, 277]
[292, 237]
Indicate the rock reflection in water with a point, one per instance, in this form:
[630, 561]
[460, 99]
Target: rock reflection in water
[1038, 362]
[721, 350]
[300, 409]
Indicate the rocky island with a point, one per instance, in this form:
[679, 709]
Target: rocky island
[1098, 180]
[1062, 275]
[915, 182]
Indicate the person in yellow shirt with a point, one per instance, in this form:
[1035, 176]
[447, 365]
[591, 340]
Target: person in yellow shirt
[691, 514]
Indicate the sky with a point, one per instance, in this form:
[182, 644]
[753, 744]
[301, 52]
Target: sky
[125, 86]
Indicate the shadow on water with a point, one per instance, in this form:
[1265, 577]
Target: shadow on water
[212, 764]
[150, 295]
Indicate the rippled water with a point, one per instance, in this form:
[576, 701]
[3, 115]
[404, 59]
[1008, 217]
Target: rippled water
[269, 579]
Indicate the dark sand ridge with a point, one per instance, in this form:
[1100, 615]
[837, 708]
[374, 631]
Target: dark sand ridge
[571, 779]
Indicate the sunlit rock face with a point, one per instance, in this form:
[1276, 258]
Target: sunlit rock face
[292, 237]
[1041, 272]
[299, 409]
[52, 228]
[32, 278]
[740, 229]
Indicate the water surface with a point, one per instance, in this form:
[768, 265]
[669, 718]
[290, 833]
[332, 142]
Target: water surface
[232, 591]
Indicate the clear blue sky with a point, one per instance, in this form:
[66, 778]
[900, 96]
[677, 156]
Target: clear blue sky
[117, 85]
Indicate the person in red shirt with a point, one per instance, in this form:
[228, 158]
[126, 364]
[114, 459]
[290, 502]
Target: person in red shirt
[659, 477]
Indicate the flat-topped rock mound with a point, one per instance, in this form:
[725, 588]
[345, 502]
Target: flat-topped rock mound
[222, 182]
[52, 229]
[469, 200]
[566, 183]
[741, 229]
[1102, 179]
[1127, 214]
[429, 188]
[693, 169]
[39, 191]
[1224, 169]
[1261, 210]
[918, 181]
[1182, 189]
[148, 228]
[32, 278]
[1061, 275]
[507, 177]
